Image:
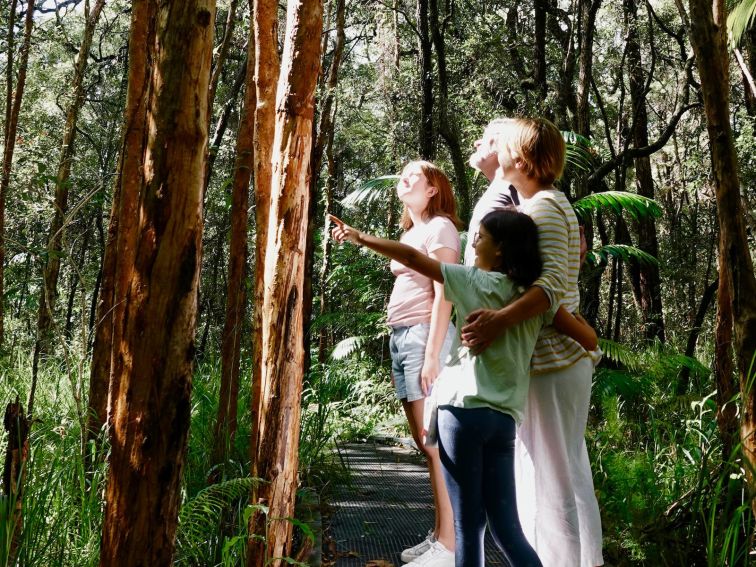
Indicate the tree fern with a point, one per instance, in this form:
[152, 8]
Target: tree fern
[636, 206]
[622, 252]
[200, 519]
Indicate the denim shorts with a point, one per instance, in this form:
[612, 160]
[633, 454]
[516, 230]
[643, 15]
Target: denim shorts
[407, 346]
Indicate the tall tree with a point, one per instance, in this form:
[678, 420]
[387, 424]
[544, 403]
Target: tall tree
[49, 291]
[425, 63]
[645, 276]
[707, 35]
[13, 99]
[158, 261]
[267, 68]
[225, 428]
[447, 122]
[276, 455]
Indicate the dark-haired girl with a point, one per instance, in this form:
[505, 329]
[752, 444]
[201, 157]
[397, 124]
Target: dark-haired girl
[481, 398]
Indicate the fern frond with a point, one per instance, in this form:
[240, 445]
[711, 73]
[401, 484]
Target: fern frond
[636, 206]
[612, 382]
[200, 517]
[370, 192]
[621, 354]
[346, 347]
[740, 20]
[599, 256]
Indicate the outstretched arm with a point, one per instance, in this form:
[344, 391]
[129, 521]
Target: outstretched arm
[395, 250]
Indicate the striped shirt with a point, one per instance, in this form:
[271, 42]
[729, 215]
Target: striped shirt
[559, 242]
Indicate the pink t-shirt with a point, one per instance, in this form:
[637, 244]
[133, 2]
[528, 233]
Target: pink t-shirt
[412, 298]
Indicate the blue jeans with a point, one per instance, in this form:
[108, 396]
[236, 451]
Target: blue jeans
[477, 453]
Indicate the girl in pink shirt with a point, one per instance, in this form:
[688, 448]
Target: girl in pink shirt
[421, 333]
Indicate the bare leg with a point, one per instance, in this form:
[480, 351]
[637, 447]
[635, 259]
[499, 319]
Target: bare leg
[444, 527]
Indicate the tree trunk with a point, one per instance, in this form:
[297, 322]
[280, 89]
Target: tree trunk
[425, 139]
[539, 49]
[447, 124]
[222, 123]
[17, 426]
[99, 376]
[12, 111]
[283, 354]
[48, 296]
[327, 112]
[267, 66]
[325, 268]
[707, 22]
[225, 426]
[74, 284]
[590, 297]
[724, 371]
[156, 278]
[646, 275]
[683, 380]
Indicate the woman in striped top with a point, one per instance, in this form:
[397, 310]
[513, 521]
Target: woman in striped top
[557, 504]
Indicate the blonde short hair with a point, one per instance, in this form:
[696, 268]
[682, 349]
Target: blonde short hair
[535, 141]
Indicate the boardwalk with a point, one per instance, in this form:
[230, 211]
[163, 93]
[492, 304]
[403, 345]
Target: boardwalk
[387, 507]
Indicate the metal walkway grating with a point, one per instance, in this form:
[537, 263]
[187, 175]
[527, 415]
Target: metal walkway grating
[387, 507]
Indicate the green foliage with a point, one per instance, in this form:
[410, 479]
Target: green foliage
[580, 154]
[200, 537]
[636, 206]
[371, 192]
[624, 252]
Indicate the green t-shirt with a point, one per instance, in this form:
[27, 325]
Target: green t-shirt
[497, 378]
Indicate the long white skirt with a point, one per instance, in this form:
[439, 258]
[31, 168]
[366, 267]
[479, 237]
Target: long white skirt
[555, 497]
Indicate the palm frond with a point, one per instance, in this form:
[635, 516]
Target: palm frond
[740, 20]
[636, 206]
[600, 256]
[200, 518]
[370, 191]
[346, 347]
[580, 157]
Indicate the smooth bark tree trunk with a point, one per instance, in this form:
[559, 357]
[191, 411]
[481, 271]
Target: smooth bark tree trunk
[276, 455]
[12, 111]
[225, 426]
[158, 261]
[707, 35]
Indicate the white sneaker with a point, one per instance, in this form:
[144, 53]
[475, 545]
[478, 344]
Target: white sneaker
[436, 556]
[416, 551]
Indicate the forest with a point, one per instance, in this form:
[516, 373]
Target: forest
[182, 344]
